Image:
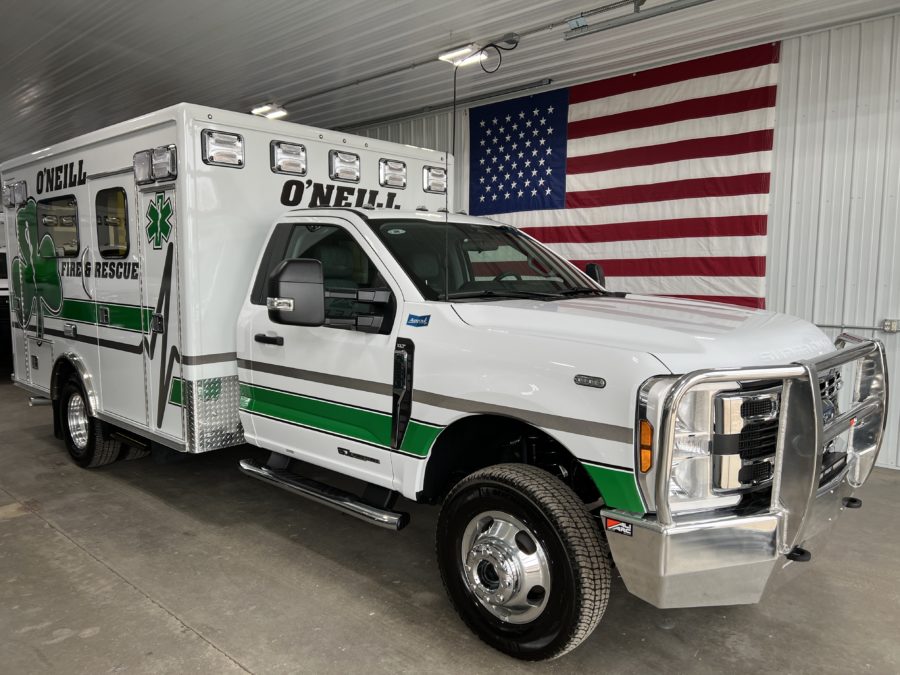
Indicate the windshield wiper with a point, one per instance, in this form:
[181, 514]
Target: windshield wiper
[501, 294]
[583, 290]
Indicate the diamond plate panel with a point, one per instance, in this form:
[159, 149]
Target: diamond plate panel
[212, 413]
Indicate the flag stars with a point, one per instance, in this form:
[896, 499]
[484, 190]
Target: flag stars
[481, 180]
[550, 110]
[541, 162]
[482, 123]
[506, 157]
[527, 163]
[541, 141]
[549, 150]
[536, 112]
[540, 182]
[534, 193]
[520, 193]
[549, 170]
[521, 174]
[528, 124]
[528, 144]
[493, 198]
[547, 192]
[527, 182]
[506, 195]
[506, 176]
[522, 114]
[508, 138]
[508, 118]
[494, 121]
[543, 121]
[515, 127]
[481, 199]
[550, 130]
[481, 161]
[487, 133]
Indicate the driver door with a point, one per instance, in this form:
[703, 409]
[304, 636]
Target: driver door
[323, 394]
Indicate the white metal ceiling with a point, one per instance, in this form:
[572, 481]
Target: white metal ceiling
[69, 67]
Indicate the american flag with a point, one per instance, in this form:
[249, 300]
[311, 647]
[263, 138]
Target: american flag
[661, 176]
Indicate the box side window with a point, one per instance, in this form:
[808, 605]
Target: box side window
[57, 225]
[112, 223]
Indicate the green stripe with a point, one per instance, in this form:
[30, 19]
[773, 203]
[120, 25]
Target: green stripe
[363, 425]
[618, 488]
[419, 438]
[175, 393]
[129, 317]
[358, 423]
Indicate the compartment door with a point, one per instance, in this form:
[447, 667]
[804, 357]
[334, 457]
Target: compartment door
[115, 278]
[156, 232]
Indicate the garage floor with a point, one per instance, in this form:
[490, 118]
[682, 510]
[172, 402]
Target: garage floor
[192, 567]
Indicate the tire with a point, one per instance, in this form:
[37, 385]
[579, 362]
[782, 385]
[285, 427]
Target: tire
[87, 438]
[499, 517]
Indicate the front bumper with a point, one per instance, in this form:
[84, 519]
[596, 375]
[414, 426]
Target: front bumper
[697, 561]
[727, 559]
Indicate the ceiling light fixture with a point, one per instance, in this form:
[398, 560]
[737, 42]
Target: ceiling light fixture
[270, 111]
[463, 56]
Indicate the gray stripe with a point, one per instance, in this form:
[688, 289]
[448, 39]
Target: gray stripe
[106, 174]
[539, 419]
[322, 378]
[203, 359]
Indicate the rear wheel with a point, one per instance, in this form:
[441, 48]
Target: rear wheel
[522, 560]
[86, 437]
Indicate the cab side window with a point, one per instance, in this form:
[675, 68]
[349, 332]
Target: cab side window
[112, 223]
[57, 226]
[345, 266]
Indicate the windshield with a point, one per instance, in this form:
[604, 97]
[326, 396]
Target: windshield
[458, 261]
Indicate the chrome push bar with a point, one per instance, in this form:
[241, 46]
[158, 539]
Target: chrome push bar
[802, 432]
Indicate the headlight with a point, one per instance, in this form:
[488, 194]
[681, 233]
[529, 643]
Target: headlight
[690, 485]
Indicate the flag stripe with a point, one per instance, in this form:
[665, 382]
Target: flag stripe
[722, 125]
[740, 59]
[695, 148]
[704, 167]
[680, 91]
[703, 207]
[690, 285]
[706, 106]
[754, 183]
[743, 300]
[709, 266]
[725, 226]
[662, 248]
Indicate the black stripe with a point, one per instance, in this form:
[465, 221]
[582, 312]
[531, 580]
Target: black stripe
[343, 404]
[203, 359]
[100, 342]
[607, 466]
[383, 388]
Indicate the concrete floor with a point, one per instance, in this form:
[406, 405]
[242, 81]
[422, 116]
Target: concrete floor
[192, 567]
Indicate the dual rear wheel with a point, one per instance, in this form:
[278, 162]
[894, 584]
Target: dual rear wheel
[89, 441]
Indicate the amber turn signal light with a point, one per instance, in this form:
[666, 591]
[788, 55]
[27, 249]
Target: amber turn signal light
[646, 446]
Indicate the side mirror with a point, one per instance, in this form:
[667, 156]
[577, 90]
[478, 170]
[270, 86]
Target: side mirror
[296, 294]
[595, 272]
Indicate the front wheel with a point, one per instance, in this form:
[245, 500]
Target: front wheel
[522, 560]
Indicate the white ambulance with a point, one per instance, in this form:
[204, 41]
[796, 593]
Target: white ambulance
[199, 279]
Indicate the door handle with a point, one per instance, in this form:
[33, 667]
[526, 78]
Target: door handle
[269, 339]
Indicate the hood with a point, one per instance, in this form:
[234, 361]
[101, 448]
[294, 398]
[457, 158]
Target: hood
[685, 335]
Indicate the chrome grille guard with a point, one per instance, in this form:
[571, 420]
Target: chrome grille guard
[802, 434]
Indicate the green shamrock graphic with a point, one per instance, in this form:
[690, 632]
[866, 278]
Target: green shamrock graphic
[36, 285]
[159, 225]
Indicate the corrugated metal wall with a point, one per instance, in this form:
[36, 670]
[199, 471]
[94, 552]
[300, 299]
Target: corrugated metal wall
[834, 245]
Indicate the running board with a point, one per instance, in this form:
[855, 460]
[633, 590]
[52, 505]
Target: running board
[326, 494]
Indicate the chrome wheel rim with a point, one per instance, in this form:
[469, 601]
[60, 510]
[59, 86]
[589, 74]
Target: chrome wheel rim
[505, 567]
[77, 419]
